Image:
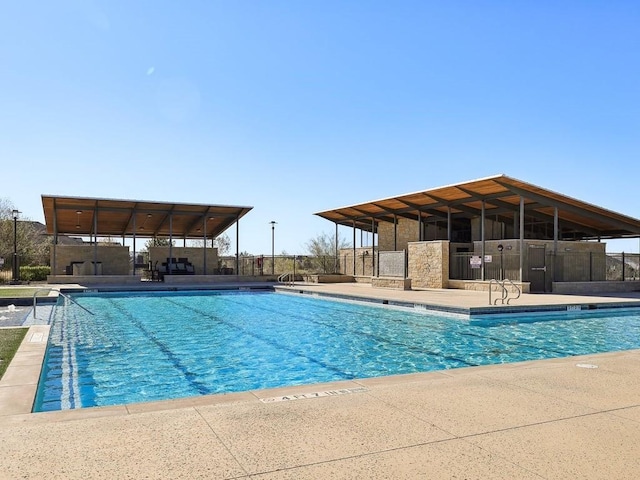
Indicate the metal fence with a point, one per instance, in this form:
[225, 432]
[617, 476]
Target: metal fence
[467, 266]
[6, 275]
[392, 264]
[623, 266]
[253, 265]
[260, 265]
[566, 267]
[363, 265]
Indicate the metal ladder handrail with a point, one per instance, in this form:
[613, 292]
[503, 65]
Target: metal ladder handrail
[286, 278]
[518, 289]
[59, 293]
[501, 285]
[505, 291]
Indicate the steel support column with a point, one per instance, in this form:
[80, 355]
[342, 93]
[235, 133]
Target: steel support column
[237, 245]
[54, 268]
[204, 245]
[521, 238]
[95, 242]
[555, 230]
[395, 232]
[335, 259]
[482, 235]
[170, 262]
[354, 248]
[133, 271]
[373, 247]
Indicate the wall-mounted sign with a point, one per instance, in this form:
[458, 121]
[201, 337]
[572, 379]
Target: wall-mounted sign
[475, 261]
[488, 259]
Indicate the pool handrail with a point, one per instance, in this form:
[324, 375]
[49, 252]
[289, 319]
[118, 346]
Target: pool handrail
[59, 293]
[497, 282]
[287, 278]
[505, 292]
[514, 286]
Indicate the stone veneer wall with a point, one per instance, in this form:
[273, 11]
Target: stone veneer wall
[407, 231]
[195, 255]
[114, 258]
[429, 264]
[391, 282]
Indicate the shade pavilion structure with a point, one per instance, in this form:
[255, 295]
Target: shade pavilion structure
[104, 217]
[500, 197]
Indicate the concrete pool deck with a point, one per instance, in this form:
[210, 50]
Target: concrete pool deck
[465, 301]
[575, 417]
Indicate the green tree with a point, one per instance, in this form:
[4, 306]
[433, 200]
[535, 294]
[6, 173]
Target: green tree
[221, 242]
[325, 244]
[158, 242]
[32, 243]
[322, 251]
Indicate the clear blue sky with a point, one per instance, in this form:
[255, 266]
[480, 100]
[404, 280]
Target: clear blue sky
[294, 107]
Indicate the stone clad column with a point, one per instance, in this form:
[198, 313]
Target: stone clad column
[429, 264]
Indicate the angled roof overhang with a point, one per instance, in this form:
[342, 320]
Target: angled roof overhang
[501, 196]
[109, 217]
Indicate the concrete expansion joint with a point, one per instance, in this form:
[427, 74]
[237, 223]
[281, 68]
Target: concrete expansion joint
[222, 442]
[535, 424]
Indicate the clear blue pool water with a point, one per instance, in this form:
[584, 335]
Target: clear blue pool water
[152, 346]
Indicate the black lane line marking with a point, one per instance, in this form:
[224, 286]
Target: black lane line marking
[266, 340]
[377, 338]
[191, 377]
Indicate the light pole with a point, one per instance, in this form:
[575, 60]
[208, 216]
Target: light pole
[15, 214]
[273, 256]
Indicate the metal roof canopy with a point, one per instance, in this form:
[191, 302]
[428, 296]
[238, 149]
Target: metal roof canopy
[501, 195]
[110, 217]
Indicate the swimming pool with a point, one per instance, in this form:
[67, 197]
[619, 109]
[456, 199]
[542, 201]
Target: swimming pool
[160, 345]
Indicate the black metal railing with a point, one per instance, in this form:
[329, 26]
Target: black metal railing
[563, 267]
[262, 265]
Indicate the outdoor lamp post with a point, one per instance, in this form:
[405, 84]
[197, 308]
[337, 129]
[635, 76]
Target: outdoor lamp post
[15, 275]
[273, 256]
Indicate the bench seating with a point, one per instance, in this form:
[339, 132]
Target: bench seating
[182, 266]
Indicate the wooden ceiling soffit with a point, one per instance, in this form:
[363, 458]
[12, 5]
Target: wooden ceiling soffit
[199, 220]
[502, 196]
[438, 202]
[163, 219]
[419, 209]
[363, 213]
[607, 218]
[487, 198]
[458, 204]
[119, 217]
[530, 210]
[129, 225]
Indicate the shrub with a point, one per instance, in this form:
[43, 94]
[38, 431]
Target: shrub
[34, 273]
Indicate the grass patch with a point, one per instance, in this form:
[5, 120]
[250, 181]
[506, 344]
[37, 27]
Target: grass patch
[10, 339]
[18, 292]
